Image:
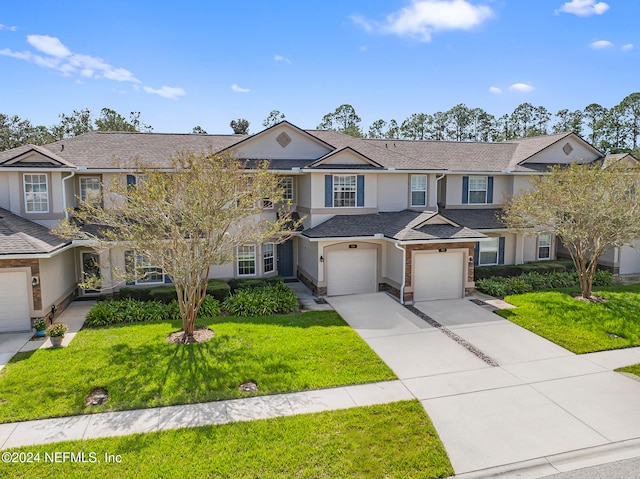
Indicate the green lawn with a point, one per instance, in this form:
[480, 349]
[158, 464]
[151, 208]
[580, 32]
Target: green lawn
[388, 441]
[140, 369]
[579, 326]
[635, 369]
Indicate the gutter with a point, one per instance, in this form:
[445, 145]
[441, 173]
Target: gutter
[392, 240]
[38, 255]
[64, 193]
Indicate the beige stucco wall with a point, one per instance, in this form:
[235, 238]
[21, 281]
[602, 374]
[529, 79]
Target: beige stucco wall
[393, 192]
[630, 259]
[555, 153]
[392, 264]
[308, 257]
[267, 147]
[530, 249]
[5, 197]
[57, 278]
[501, 186]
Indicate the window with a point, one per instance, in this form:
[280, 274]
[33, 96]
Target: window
[286, 184]
[267, 257]
[36, 193]
[246, 260]
[146, 273]
[478, 189]
[489, 252]
[418, 190]
[544, 246]
[344, 190]
[90, 189]
[266, 204]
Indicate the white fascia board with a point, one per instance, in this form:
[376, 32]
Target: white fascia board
[38, 255]
[36, 169]
[400, 242]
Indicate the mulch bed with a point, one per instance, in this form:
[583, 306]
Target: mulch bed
[200, 335]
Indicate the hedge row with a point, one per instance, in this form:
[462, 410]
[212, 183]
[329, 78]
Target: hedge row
[509, 270]
[534, 281]
[216, 288]
[264, 300]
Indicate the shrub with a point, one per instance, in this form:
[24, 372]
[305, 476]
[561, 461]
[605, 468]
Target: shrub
[119, 311]
[535, 281]
[140, 294]
[163, 294]
[243, 283]
[509, 270]
[218, 289]
[263, 301]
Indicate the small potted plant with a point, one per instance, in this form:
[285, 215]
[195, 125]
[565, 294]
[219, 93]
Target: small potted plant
[40, 325]
[56, 332]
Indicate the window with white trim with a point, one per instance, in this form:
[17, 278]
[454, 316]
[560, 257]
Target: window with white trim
[489, 252]
[36, 193]
[90, 189]
[146, 272]
[344, 190]
[478, 190]
[418, 190]
[286, 183]
[544, 246]
[268, 257]
[246, 260]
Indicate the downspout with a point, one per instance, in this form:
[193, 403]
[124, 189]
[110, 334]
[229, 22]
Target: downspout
[64, 194]
[438, 179]
[404, 270]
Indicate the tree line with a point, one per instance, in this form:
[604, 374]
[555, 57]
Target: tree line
[612, 130]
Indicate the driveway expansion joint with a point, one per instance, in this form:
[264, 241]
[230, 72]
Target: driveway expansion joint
[447, 332]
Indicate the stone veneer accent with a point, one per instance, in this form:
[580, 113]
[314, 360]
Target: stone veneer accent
[34, 264]
[408, 296]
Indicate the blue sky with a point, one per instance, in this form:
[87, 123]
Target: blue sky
[205, 63]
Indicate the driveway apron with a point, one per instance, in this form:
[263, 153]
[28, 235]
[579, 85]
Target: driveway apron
[539, 401]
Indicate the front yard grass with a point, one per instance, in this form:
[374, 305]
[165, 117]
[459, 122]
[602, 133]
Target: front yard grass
[581, 327]
[394, 440]
[140, 369]
[635, 369]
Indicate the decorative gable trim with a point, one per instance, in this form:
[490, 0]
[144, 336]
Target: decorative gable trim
[564, 138]
[36, 154]
[360, 159]
[436, 219]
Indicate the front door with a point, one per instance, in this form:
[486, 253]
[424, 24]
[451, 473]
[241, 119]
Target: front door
[285, 259]
[91, 272]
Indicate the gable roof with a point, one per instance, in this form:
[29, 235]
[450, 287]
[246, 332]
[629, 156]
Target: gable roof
[11, 158]
[366, 161]
[529, 147]
[404, 225]
[20, 236]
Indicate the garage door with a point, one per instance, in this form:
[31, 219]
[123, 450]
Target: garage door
[352, 271]
[14, 302]
[437, 276]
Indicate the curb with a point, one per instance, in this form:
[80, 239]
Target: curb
[559, 463]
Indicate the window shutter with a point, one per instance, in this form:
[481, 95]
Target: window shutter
[129, 264]
[501, 250]
[360, 190]
[476, 254]
[131, 180]
[328, 191]
[465, 190]
[167, 280]
[490, 190]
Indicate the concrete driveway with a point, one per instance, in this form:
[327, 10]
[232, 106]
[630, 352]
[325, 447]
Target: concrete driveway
[541, 400]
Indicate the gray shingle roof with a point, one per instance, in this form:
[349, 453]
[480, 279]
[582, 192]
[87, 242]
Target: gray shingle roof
[486, 218]
[400, 225]
[21, 236]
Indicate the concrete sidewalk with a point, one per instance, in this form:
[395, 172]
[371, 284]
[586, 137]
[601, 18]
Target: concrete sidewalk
[540, 401]
[73, 317]
[122, 423]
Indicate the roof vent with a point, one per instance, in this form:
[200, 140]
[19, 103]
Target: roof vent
[567, 148]
[62, 147]
[283, 139]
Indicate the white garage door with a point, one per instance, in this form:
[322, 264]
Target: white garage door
[14, 302]
[352, 271]
[437, 276]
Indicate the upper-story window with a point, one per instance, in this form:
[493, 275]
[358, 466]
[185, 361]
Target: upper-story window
[286, 183]
[36, 193]
[90, 189]
[544, 246]
[344, 190]
[478, 188]
[418, 190]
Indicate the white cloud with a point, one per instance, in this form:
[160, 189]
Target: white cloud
[423, 17]
[238, 89]
[626, 48]
[7, 27]
[48, 45]
[521, 87]
[494, 90]
[583, 8]
[166, 92]
[280, 58]
[601, 44]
